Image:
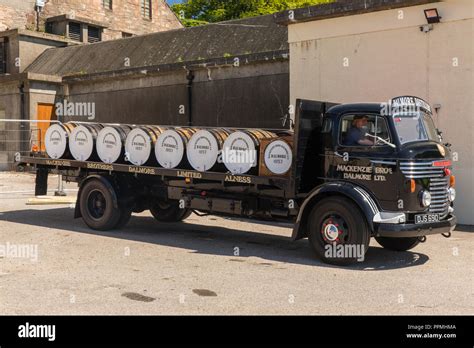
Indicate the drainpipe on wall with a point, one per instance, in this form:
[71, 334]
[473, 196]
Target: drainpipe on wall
[23, 138]
[38, 7]
[190, 78]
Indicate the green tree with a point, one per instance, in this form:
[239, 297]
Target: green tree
[198, 12]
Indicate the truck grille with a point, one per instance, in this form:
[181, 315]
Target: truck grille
[421, 170]
[439, 196]
[438, 184]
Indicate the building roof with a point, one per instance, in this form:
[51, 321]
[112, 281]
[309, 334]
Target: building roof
[248, 37]
[341, 8]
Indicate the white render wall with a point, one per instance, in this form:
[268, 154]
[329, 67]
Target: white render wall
[376, 56]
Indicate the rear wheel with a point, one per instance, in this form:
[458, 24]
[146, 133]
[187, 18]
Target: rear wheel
[398, 244]
[98, 209]
[169, 211]
[125, 215]
[338, 232]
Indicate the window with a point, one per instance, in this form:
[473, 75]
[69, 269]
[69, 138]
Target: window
[364, 130]
[93, 34]
[412, 127]
[107, 4]
[75, 31]
[49, 27]
[145, 8]
[3, 57]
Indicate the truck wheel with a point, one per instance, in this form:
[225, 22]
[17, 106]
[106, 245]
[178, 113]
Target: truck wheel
[97, 206]
[169, 212]
[338, 232]
[398, 244]
[125, 215]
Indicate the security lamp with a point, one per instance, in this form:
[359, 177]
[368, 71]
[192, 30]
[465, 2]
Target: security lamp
[432, 16]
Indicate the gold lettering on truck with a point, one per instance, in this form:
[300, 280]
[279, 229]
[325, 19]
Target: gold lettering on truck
[141, 170]
[191, 175]
[239, 179]
[58, 163]
[100, 166]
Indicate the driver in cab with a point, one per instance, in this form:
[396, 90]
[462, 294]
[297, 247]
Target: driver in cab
[357, 133]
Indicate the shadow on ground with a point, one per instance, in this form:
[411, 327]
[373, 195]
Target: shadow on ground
[213, 240]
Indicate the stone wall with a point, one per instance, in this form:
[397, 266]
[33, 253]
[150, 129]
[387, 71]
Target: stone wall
[125, 16]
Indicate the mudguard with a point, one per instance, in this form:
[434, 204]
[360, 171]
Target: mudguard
[355, 193]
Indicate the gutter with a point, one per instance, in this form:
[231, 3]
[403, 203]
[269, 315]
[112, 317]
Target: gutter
[342, 8]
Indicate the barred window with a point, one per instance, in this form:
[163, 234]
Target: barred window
[3, 57]
[93, 34]
[107, 4]
[75, 31]
[145, 8]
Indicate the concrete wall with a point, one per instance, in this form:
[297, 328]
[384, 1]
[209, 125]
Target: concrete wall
[24, 46]
[10, 133]
[376, 56]
[32, 47]
[124, 17]
[250, 96]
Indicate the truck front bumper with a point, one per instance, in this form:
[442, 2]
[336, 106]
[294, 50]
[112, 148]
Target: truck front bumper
[413, 230]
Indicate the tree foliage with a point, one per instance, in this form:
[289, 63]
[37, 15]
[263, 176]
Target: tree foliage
[198, 12]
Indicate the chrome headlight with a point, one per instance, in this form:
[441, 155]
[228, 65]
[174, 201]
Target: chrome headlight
[425, 198]
[451, 194]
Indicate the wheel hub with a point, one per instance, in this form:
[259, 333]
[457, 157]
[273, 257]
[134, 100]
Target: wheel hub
[331, 232]
[334, 230]
[96, 204]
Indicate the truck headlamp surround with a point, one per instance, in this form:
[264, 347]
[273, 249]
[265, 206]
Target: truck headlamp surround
[425, 198]
[451, 194]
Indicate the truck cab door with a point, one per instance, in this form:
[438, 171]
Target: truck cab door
[369, 166]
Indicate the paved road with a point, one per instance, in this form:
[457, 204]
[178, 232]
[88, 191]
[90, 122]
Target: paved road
[191, 268]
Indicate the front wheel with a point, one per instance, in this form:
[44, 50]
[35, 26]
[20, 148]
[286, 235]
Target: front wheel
[169, 211]
[338, 231]
[398, 244]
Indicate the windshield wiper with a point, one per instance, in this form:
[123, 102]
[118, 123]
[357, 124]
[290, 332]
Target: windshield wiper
[382, 140]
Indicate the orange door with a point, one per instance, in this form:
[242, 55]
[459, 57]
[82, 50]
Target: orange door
[45, 113]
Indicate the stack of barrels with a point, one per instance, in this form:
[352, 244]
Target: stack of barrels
[238, 151]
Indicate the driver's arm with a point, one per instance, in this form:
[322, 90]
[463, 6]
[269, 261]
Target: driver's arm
[366, 142]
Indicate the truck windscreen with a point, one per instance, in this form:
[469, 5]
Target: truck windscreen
[414, 127]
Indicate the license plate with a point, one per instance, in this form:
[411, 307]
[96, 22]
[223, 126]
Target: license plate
[426, 218]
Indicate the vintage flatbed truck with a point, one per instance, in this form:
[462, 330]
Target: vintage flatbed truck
[395, 185]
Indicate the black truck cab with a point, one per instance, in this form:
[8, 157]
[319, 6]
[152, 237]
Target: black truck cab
[387, 161]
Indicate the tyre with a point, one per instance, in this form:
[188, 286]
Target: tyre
[398, 244]
[97, 206]
[125, 215]
[169, 212]
[338, 232]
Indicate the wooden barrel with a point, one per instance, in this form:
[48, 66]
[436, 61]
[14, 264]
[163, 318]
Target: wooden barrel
[82, 141]
[204, 147]
[170, 147]
[241, 148]
[57, 140]
[277, 157]
[140, 143]
[110, 143]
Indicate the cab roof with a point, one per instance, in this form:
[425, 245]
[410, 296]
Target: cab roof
[355, 107]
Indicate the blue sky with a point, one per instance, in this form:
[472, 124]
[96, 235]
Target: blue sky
[171, 2]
